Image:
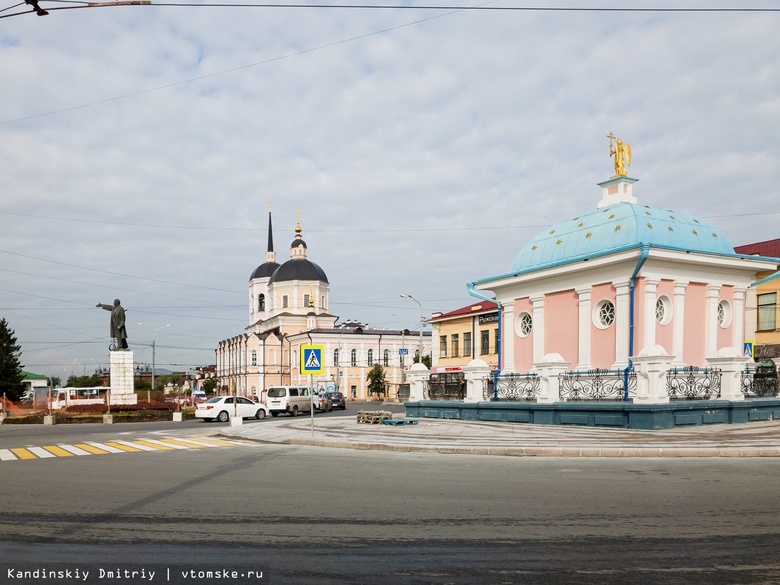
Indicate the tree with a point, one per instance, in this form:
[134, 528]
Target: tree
[83, 381]
[210, 384]
[10, 367]
[376, 380]
[426, 360]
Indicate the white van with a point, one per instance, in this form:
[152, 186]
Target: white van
[289, 399]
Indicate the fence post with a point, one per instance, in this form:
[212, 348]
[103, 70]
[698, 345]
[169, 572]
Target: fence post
[550, 369]
[731, 363]
[476, 372]
[651, 367]
[418, 376]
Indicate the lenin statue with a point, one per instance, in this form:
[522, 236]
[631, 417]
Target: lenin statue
[118, 330]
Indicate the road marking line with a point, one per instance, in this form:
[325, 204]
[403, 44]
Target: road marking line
[6, 455]
[90, 448]
[153, 446]
[75, 450]
[58, 451]
[41, 452]
[122, 447]
[107, 447]
[212, 442]
[22, 453]
[140, 445]
[183, 443]
[164, 445]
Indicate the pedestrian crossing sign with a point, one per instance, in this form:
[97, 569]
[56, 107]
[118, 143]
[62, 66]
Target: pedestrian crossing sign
[311, 359]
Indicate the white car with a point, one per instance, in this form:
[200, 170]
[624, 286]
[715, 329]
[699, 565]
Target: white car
[221, 408]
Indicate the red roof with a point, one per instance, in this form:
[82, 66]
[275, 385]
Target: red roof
[770, 248]
[476, 309]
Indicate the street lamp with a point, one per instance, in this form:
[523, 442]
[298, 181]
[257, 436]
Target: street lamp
[154, 347]
[421, 322]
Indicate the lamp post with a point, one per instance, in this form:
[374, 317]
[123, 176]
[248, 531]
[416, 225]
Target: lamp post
[421, 322]
[154, 348]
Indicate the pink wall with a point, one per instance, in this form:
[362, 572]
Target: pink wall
[524, 349]
[726, 336]
[695, 324]
[602, 341]
[561, 331]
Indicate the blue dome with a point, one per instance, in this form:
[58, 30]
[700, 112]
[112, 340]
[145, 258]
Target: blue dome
[620, 226]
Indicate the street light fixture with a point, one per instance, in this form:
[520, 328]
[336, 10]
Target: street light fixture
[154, 347]
[421, 322]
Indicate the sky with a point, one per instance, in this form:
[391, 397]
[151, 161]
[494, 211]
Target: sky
[140, 146]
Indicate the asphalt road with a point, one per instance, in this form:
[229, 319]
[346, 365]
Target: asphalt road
[312, 515]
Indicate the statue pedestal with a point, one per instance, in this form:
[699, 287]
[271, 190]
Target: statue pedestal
[122, 389]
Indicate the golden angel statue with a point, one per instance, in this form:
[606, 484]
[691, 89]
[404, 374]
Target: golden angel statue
[622, 153]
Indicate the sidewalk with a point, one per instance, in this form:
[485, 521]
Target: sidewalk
[758, 439]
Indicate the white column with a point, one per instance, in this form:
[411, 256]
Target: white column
[711, 321]
[538, 328]
[550, 372]
[738, 318]
[583, 303]
[508, 338]
[651, 296]
[678, 332]
[622, 323]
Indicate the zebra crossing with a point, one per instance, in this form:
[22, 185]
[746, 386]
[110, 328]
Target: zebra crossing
[112, 447]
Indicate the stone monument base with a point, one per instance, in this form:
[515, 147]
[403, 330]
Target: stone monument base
[122, 389]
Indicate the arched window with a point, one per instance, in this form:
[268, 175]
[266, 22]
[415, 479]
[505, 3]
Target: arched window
[386, 358]
[353, 357]
[254, 357]
[335, 357]
[261, 302]
[370, 358]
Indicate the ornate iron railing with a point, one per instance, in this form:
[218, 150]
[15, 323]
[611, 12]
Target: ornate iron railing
[512, 388]
[446, 386]
[596, 385]
[693, 383]
[760, 382]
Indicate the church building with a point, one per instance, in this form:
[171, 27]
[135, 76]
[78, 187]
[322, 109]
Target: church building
[288, 306]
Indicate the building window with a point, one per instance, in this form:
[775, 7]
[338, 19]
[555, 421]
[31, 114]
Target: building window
[455, 344]
[443, 346]
[254, 357]
[484, 342]
[603, 314]
[767, 312]
[285, 301]
[467, 343]
[386, 358]
[353, 357]
[261, 302]
[306, 299]
[724, 314]
[322, 302]
[663, 310]
[335, 357]
[370, 358]
[524, 324]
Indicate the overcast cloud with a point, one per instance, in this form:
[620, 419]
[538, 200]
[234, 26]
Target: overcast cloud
[140, 145]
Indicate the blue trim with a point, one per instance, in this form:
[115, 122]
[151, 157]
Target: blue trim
[642, 259]
[476, 295]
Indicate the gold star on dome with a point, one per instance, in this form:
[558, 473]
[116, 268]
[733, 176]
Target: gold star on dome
[552, 232]
[670, 228]
[559, 242]
[694, 232]
[589, 234]
[580, 224]
[647, 213]
[650, 225]
[618, 228]
[533, 248]
[612, 216]
[696, 221]
[672, 217]
[714, 235]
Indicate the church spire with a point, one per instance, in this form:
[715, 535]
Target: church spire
[270, 255]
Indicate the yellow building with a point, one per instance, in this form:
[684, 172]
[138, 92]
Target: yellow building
[465, 334]
[763, 315]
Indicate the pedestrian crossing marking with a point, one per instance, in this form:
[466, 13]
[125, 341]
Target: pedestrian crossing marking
[183, 444]
[121, 447]
[115, 446]
[90, 448]
[58, 451]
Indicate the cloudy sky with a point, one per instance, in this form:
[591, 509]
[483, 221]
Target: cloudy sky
[139, 147]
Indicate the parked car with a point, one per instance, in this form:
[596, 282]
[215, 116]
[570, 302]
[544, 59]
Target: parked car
[222, 408]
[289, 399]
[337, 400]
[322, 402]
